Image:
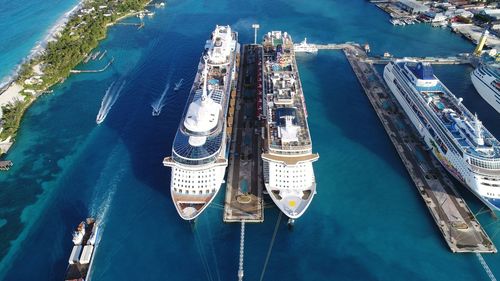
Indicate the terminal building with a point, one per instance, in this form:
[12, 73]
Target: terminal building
[413, 6]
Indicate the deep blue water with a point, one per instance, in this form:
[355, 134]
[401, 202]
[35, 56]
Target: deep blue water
[366, 223]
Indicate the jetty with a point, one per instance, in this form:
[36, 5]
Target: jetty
[5, 165]
[94, 70]
[458, 225]
[243, 202]
[458, 59]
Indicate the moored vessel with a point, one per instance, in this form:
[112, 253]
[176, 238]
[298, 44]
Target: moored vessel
[199, 150]
[304, 47]
[287, 158]
[456, 137]
[85, 237]
[486, 80]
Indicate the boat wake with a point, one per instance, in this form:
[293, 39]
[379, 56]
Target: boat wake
[112, 94]
[158, 104]
[178, 85]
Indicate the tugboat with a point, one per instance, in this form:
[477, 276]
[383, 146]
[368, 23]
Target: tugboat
[82, 255]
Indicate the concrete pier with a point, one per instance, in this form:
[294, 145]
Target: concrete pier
[459, 59]
[458, 225]
[243, 200]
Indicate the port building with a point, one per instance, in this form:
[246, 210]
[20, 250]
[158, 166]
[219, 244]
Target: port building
[413, 6]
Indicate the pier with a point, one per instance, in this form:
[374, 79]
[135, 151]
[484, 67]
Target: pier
[459, 59]
[244, 184]
[95, 70]
[432, 60]
[458, 225]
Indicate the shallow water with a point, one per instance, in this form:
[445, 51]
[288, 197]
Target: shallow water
[367, 221]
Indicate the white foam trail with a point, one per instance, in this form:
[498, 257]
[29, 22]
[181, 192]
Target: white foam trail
[108, 101]
[158, 104]
[178, 85]
[40, 46]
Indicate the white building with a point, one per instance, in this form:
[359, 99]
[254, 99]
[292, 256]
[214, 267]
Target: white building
[413, 6]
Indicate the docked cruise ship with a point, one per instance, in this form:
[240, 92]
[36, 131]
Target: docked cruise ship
[287, 157]
[486, 79]
[199, 152]
[456, 137]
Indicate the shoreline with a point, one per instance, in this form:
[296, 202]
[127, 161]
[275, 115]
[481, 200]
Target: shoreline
[17, 97]
[40, 45]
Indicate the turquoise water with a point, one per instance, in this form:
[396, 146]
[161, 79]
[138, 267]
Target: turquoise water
[367, 221]
[23, 25]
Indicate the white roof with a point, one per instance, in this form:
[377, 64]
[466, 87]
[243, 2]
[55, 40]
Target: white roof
[202, 115]
[289, 132]
[86, 254]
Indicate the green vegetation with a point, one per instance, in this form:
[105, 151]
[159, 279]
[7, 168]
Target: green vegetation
[12, 114]
[80, 35]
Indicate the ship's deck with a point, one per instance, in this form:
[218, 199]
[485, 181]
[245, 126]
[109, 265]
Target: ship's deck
[219, 81]
[442, 103]
[284, 97]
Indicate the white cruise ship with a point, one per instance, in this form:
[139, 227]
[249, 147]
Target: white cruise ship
[456, 136]
[486, 80]
[199, 152]
[304, 47]
[287, 157]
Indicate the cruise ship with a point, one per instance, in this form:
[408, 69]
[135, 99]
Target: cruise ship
[199, 152]
[304, 47]
[287, 156]
[80, 260]
[486, 80]
[456, 137]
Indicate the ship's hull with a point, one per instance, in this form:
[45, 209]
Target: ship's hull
[194, 187]
[454, 163]
[293, 203]
[485, 90]
[190, 206]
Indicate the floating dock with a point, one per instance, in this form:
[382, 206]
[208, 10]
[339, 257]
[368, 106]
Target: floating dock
[457, 223]
[244, 184]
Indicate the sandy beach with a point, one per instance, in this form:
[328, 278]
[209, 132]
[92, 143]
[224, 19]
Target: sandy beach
[12, 93]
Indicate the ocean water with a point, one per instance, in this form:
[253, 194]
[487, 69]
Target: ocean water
[367, 221]
[23, 26]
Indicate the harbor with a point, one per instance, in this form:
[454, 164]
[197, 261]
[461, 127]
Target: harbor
[367, 220]
[458, 225]
[243, 199]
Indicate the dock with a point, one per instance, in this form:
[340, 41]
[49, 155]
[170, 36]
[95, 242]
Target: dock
[94, 70]
[458, 59]
[5, 165]
[458, 225]
[243, 202]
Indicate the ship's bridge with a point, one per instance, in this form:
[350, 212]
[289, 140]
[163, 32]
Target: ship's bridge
[420, 74]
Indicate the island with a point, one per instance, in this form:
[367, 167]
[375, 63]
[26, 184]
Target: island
[71, 43]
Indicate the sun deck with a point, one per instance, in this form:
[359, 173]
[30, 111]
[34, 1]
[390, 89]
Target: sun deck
[288, 131]
[461, 125]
